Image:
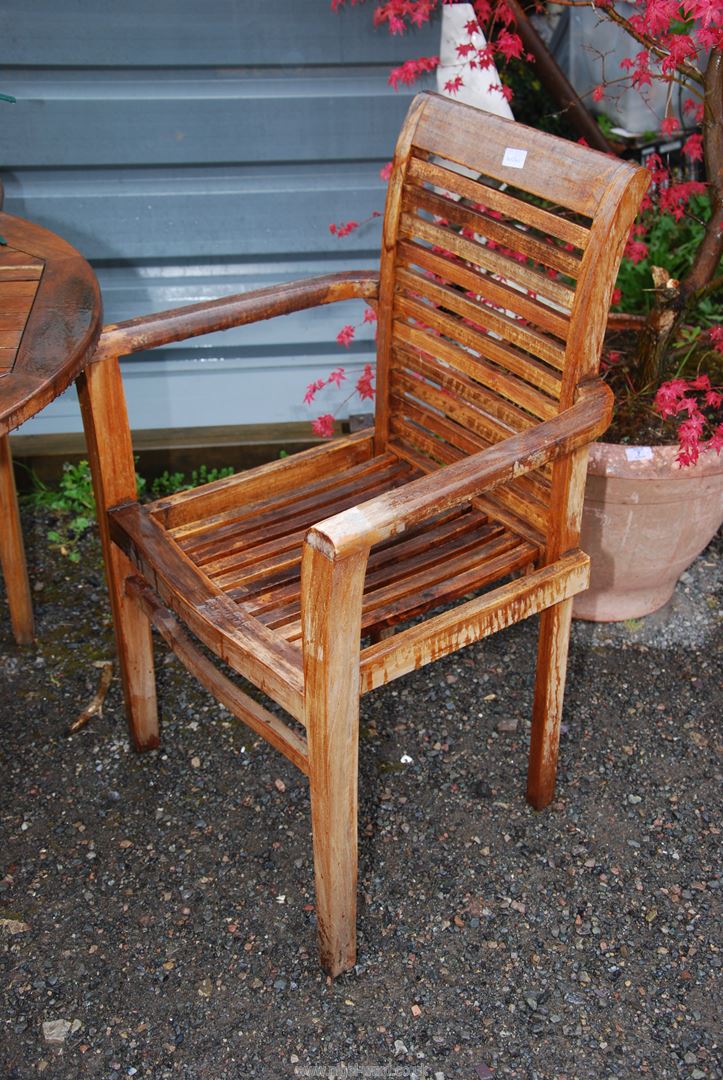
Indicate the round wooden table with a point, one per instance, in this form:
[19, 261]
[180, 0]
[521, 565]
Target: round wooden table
[50, 319]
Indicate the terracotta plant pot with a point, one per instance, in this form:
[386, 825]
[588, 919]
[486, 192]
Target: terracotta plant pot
[645, 520]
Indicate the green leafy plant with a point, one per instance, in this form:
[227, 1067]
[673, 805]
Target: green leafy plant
[169, 483]
[72, 502]
[670, 244]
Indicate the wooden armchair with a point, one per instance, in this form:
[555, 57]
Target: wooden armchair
[301, 575]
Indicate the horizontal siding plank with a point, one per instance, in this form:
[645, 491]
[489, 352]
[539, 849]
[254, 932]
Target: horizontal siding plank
[217, 390]
[224, 120]
[182, 32]
[174, 214]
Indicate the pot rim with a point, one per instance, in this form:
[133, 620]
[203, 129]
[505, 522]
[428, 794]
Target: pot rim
[649, 462]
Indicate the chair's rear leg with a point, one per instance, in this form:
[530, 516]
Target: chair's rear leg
[12, 553]
[110, 453]
[547, 709]
[332, 627]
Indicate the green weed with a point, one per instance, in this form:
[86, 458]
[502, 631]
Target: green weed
[72, 503]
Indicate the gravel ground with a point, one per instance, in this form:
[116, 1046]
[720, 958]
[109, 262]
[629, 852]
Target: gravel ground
[161, 905]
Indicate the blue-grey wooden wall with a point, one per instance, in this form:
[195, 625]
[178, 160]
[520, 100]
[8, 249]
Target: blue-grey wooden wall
[191, 150]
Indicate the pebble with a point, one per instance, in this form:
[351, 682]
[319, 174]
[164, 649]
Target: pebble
[508, 724]
[55, 1032]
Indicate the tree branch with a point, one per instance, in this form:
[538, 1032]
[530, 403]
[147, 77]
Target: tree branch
[648, 42]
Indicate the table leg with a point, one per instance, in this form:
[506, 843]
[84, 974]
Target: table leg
[12, 553]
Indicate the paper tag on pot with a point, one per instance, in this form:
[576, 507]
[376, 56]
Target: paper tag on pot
[638, 453]
[514, 158]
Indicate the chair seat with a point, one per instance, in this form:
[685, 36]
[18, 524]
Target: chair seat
[252, 551]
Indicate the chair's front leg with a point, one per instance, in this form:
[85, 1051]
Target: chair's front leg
[110, 453]
[331, 616]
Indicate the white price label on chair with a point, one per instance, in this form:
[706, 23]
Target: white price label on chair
[514, 158]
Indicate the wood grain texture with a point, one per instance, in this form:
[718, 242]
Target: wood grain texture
[331, 605]
[179, 324]
[568, 488]
[442, 634]
[55, 303]
[12, 552]
[270, 663]
[390, 515]
[110, 455]
[267, 482]
[562, 172]
[50, 314]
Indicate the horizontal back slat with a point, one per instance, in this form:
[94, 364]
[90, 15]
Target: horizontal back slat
[483, 430]
[554, 169]
[460, 386]
[434, 448]
[487, 258]
[539, 346]
[496, 293]
[421, 171]
[516, 239]
[506, 357]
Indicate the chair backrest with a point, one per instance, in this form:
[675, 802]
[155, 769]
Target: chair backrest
[499, 254]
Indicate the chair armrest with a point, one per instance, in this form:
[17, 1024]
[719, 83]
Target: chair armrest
[387, 515]
[178, 324]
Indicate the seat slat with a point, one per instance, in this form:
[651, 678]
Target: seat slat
[386, 559]
[277, 478]
[239, 566]
[493, 611]
[272, 521]
[237, 509]
[422, 171]
[391, 576]
[443, 583]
